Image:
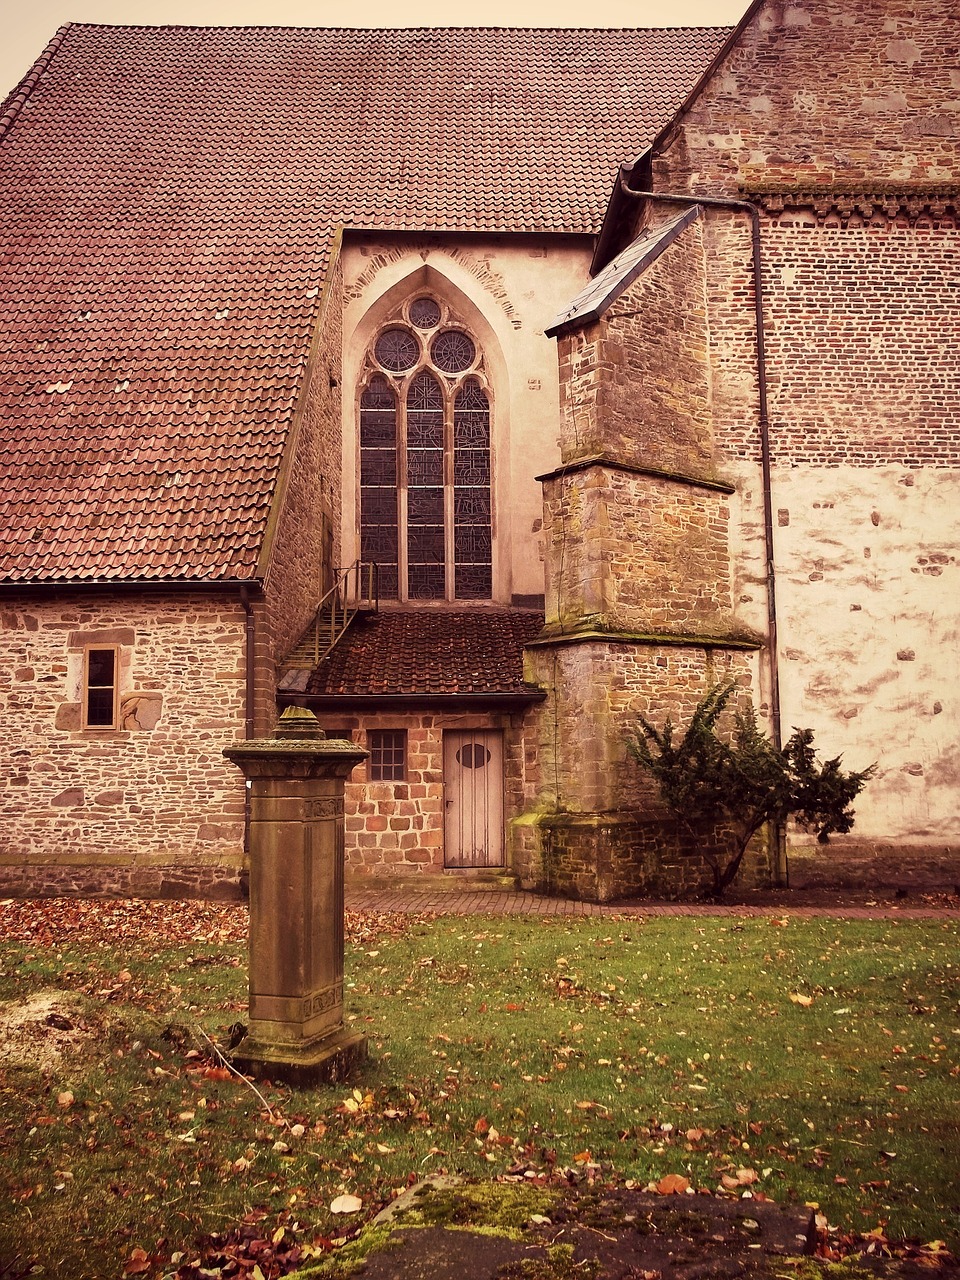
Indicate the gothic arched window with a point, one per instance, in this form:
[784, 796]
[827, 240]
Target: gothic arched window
[425, 514]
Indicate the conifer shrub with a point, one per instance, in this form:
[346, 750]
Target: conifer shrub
[738, 782]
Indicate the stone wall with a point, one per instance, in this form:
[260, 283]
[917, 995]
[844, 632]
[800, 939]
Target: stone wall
[857, 174]
[593, 825]
[635, 385]
[637, 554]
[150, 807]
[395, 829]
[826, 94]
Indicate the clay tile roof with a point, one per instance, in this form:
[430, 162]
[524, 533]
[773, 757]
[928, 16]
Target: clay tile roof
[424, 651]
[168, 200]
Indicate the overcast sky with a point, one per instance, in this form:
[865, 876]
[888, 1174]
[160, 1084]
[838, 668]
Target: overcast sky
[31, 23]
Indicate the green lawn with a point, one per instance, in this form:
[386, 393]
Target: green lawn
[810, 1060]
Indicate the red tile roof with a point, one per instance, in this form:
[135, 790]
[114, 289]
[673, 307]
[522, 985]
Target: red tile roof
[430, 651]
[167, 201]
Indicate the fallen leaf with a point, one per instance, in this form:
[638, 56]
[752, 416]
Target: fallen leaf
[65, 1099]
[799, 998]
[673, 1184]
[346, 1204]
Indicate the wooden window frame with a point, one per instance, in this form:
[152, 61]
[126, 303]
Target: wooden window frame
[87, 688]
[376, 763]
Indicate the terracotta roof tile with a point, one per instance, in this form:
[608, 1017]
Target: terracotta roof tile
[167, 202]
[430, 651]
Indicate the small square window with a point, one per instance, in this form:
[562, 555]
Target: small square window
[100, 689]
[388, 754]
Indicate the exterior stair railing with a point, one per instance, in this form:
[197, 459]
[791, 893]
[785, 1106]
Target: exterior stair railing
[355, 589]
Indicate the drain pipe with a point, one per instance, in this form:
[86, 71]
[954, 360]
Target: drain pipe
[746, 206]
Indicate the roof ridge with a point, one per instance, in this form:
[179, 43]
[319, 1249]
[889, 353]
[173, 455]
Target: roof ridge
[13, 103]
[283, 26]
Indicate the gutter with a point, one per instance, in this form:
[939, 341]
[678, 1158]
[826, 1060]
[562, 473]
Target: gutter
[127, 586]
[747, 207]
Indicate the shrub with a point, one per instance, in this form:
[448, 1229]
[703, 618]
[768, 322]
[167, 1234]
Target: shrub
[744, 782]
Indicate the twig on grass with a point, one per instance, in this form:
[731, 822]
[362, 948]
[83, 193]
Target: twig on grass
[240, 1076]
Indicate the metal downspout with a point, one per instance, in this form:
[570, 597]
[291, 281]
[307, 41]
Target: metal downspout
[748, 207]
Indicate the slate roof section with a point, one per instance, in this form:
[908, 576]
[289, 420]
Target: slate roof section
[619, 274]
[424, 652]
[168, 199]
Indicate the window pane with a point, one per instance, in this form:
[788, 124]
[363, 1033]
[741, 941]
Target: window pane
[100, 667]
[425, 506]
[474, 582]
[453, 351]
[425, 313]
[426, 582]
[388, 754]
[397, 349]
[100, 706]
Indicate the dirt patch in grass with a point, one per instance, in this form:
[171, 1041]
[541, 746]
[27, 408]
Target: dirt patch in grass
[41, 1031]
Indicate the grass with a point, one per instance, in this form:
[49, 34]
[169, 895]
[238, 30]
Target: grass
[813, 1060]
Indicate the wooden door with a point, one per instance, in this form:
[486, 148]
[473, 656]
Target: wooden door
[473, 797]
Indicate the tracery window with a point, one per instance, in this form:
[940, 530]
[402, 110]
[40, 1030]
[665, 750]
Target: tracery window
[425, 510]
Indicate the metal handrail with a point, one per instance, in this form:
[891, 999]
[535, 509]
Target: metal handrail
[354, 588]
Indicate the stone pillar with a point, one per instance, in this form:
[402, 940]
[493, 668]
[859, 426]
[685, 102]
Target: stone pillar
[296, 779]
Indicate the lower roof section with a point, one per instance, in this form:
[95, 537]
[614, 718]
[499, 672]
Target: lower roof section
[429, 654]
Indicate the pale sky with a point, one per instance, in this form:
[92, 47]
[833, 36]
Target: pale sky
[26, 32]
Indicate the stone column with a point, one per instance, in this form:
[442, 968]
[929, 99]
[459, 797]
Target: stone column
[296, 1030]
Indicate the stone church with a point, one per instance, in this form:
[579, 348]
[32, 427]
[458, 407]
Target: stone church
[480, 390]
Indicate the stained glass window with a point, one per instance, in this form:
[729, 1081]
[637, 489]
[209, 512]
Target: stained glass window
[379, 516]
[452, 351]
[397, 349]
[424, 313]
[472, 534]
[425, 503]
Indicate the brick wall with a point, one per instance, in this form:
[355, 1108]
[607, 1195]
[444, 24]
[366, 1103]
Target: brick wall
[395, 829]
[151, 807]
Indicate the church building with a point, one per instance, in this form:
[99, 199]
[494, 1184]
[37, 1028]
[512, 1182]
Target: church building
[480, 390]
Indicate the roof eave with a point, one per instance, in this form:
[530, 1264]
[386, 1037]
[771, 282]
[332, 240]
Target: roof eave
[412, 701]
[128, 586]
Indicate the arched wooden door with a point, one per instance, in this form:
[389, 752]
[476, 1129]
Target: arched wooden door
[473, 797]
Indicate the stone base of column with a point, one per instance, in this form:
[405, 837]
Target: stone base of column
[324, 1061]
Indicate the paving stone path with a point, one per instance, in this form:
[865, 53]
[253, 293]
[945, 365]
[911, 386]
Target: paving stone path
[502, 902]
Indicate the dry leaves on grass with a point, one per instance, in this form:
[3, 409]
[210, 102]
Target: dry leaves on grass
[55, 922]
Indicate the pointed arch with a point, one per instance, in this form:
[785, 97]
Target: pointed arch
[424, 413]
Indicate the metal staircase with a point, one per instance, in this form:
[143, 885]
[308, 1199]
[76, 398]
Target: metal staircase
[355, 590]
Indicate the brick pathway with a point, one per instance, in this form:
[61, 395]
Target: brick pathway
[498, 902]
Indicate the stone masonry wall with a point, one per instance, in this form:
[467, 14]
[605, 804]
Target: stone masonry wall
[638, 554]
[151, 807]
[309, 514]
[828, 94]
[635, 384]
[597, 690]
[594, 825]
[855, 163]
[395, 829]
